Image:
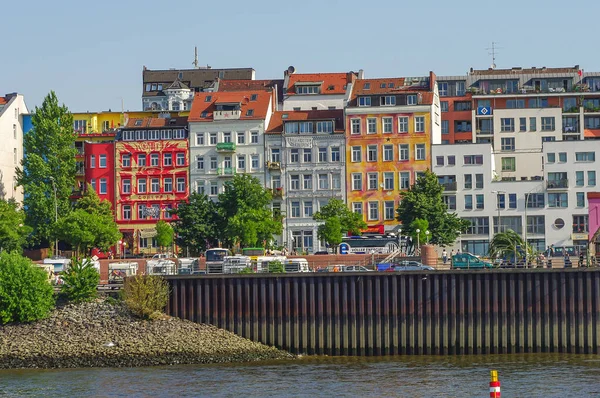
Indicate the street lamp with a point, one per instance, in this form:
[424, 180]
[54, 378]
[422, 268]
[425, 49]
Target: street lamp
[400, 240]
[55, 214]
[459, 240]
[418, 231]
[525, 229]
[427, 236]
[498, 206]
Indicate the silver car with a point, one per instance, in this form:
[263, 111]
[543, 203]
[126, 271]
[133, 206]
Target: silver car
[411, 266]
[355, 268]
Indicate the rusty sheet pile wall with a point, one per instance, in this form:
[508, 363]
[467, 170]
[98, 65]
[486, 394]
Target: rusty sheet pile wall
[443, 312]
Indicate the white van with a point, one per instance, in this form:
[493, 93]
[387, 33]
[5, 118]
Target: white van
[59, 264]
[117, 272]
[296, 265]
[262, 262]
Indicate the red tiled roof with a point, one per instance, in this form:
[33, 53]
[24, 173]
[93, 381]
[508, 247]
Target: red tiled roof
[398, 87]
[259, 107]
[331, 83]
[3, 101]
[156, 122]
[245, 85]
[277, 119]
[591, 133]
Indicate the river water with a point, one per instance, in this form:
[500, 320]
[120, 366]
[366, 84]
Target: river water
[409, 376]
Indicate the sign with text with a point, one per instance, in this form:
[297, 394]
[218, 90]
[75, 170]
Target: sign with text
[299, 142]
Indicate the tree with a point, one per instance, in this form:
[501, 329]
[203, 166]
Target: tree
[196, 226]
[331, 232]
[49, 163]
[505, 244]
[247, 216]
[350, 222]
[164, 234]
[13, 231]
[424, 201]
[80, 281]
[422, 226]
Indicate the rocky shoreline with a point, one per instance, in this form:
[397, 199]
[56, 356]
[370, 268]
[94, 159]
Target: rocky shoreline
[102, 334]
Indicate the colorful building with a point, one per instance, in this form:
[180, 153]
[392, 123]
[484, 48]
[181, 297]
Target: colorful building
[390, 126]
[317, 91]
[455, 105]
[152, 162]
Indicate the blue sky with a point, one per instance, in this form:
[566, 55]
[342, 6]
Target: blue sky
[92, 53]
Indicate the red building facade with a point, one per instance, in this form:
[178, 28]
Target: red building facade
[100, 169]
[151, 178]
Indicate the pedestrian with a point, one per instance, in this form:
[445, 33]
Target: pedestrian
[444, 256]
[452, 253]
[581, 259]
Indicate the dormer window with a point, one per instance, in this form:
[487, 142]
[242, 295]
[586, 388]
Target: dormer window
[307, 89]
[208, 98]
[204, 114]
[382, 85]
[253, 97]
[330, 88]
[138, 123]
[411, 99]
[390, 85]
[250, 112]
[180, 75]
[364, 101]
[367, 86]
[388, 100]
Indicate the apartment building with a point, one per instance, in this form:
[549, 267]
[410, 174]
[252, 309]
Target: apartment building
[390, 126]
[12, 109]
[305, 169]
[455, 106]
[317, 91]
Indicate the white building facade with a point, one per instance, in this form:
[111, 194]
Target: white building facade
[12, 108]
[317, 91]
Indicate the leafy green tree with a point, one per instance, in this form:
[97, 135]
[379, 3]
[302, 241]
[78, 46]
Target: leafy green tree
[164, 234]
[13, 231]
[350, 222]
[247, 216]
[25, 292]
[49, 164]
[80, 281]
[197, 223]
[424, 201]
[422, 226]
[331, 232]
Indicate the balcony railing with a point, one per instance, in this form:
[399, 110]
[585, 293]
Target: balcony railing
[485, 131]
[226, 147]
[227, 115]
[571, 129]
[274, 165]
[226, 171]
[449, 186]
[557, 184]
[277, 192]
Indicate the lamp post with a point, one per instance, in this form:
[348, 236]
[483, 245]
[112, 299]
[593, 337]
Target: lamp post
[55, 214]
[427, 236]
[400, 240]
[525, 228]
[498, 206]
[418, 231]
[459, 240]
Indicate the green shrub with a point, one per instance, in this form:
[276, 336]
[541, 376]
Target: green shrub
[25, 293]
[247, 270]
[276, 267]
[80, 281]
[146, 295]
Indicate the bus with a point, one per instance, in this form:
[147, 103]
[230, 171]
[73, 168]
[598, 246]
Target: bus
[214, 260]
[367, 244]
[253, 252]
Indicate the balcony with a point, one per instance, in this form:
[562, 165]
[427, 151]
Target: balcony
[80, 171]
[225, 171]
[227, 115]
[570, 130]
[557, 184]
[485, 132]
[449, 186]
[274, 165]
[277, 192]
[226, 147]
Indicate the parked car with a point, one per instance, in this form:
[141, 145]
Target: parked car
[410, 266]
[355, 268]
[468, 261]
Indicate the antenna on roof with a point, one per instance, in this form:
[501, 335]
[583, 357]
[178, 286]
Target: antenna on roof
[493, 51]
[195, 63]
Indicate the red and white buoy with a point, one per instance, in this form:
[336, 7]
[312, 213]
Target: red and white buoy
[494, 384]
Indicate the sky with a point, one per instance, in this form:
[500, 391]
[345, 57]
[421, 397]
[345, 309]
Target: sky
[92, 53]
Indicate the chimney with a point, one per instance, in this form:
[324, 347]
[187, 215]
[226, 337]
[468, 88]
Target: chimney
[361, 74]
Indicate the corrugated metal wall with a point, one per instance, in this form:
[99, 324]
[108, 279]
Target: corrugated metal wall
[443, 312]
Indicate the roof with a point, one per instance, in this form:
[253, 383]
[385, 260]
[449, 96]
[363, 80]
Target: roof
[526, 71]
[193, 78]
[3, 101]
[178, 84]
[277, 119]
[206, 103]
[331, 83]
[591, 133]
[394, 85]
[245, 85]
[156, 122]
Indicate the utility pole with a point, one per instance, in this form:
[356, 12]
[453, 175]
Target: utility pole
[493, 51]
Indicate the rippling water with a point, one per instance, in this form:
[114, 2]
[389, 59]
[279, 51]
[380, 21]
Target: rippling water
[467, 376]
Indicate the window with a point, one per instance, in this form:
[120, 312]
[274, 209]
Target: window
[419, 124]
[548, 123]
[154, 185]
[212, 139]
[167, 159]
[507, 124]
[388, 100]
[214, 188]
[307, 89]
[468, 202]
[462, 106]
[411, 100]
[443, 89]
[450, 201]
[295, 209]
[522, 124]
[168, 185]
[507, 144]
[472, 159]
[468, 181]
[295, 155]
[103, 186]
[307, 181]
[371, 153]
[512, 200]
[126, 185]
[389, 211]
[324, 127]
[462, 126]
[550, 158]
[126, 160]
[580, 224]
[536, 225]
[141, 160]
[515, 104]
[275, 155]
[562, 157]
[388, 153]
[479, 181]
[254, 137]
[444, 106]
[500, 201]
[241, 138]
[356, 154]
[388, 181]
[532, 124]
[355, 124]
[371, 125]
[305, 127]
[357, 207]
[308, 209]
[241, 162]
[404, 180]
[591, 175]
[445, 127]
[372, 179]
[585, 156]
[439, 160]
[403, 152]
[451, 160]
[126, 212]
[548, 139]
[509, 164]
[580, 199]
[307, 155]
[373, 210]
[323, 181]
[323, 155]
[200, 139]
[403, 124]
[154, 159]
[213, 162]
[364, 101]
[387, 124]
[295, 182]
[180, 184]
[93, 183]
[254, 161]
[478, 225]
[535, 201]
[336, 181]
[141, 185]
[419, 151]
[356, 181]
[558, 200]
[335, 154]
[579, 179]
[479, 201]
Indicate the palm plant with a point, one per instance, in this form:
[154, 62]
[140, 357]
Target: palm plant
[507, 244]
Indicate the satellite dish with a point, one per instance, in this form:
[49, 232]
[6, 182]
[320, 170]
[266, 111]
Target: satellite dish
[246, 100]
[291, 69]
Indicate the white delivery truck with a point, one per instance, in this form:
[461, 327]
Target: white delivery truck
[296, 265]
